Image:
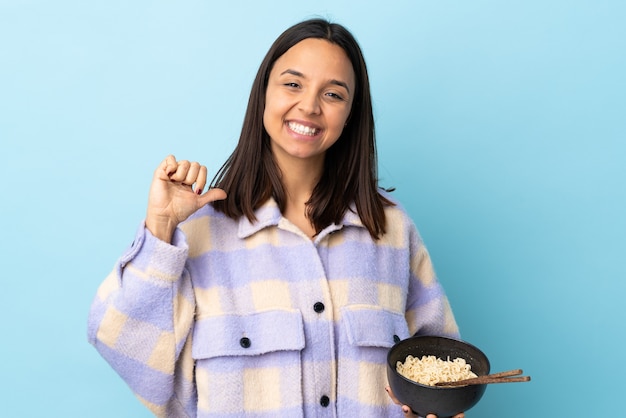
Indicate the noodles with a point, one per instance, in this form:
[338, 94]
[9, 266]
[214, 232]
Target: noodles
[430, 370]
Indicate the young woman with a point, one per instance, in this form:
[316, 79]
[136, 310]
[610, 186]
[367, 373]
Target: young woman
[279, 291]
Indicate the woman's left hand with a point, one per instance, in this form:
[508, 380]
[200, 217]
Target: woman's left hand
[407, 410]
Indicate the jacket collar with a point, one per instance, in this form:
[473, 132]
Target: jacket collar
[269, 215]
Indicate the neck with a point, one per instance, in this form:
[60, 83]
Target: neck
[299, 179]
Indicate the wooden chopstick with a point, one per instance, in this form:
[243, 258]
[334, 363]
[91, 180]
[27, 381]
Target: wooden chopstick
[504, 374]
[509, 376]
[485, 380]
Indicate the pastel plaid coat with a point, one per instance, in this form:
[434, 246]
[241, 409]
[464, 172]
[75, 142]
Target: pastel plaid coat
[239, 319]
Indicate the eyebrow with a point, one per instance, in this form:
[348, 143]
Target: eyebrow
[333, 81]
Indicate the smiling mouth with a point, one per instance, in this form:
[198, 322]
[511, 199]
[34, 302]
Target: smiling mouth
[302, 129]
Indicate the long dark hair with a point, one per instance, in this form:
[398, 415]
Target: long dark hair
[250, 176]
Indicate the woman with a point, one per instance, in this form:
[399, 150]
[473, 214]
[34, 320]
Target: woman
[279, 291]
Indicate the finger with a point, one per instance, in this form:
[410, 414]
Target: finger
[211, 195]
[170, 164]
[201, 180]
[192, 173]
[181, 171]
[432, 416]
[406, 410]
[408, 413]
[392, 396]
[166, 167]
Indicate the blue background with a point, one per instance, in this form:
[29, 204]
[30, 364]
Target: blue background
[501, 124]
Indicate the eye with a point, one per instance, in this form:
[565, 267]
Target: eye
[335, 96]
[292, 85]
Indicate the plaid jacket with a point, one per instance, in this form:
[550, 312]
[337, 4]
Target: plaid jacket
[257, 320]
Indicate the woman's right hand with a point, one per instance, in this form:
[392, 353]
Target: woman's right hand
[173, 196]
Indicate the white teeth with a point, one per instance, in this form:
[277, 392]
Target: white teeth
[302, 130]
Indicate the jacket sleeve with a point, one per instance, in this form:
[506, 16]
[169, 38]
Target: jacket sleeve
[140, 322]
[428, 311]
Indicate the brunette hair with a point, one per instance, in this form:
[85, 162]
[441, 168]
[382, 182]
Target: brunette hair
[250, 176]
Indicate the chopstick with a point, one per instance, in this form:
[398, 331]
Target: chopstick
[509, 376]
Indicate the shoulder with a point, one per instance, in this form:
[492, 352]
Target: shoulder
[400, 227]
[395, 211]
[206, 213]
[207, 227]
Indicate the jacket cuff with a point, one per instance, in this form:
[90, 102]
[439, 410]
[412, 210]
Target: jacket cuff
[154, 257]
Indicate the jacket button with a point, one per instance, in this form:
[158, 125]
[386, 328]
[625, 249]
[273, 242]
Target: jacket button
[318, 307]
[396, 339]
[245, 342]
[324, 401]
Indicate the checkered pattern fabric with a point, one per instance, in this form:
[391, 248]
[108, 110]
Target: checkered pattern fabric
[254, 319]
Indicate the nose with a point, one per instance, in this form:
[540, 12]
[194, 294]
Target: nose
[309, 103]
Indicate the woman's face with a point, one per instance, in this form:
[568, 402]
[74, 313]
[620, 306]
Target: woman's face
[308, 100]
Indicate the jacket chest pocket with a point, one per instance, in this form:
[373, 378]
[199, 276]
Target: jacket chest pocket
[247, 364]
[369, 326]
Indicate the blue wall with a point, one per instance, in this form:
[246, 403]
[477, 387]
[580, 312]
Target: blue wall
[501, 124]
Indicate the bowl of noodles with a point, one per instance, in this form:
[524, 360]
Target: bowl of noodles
[416, 364]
